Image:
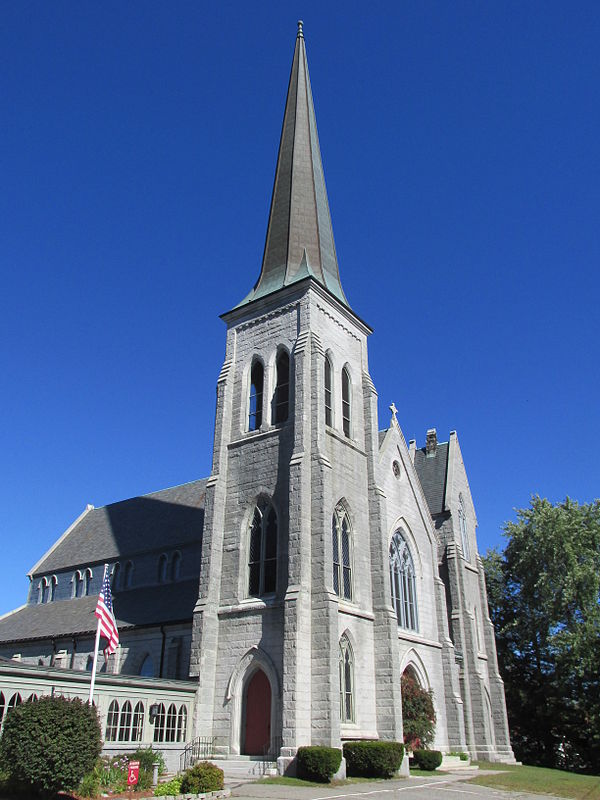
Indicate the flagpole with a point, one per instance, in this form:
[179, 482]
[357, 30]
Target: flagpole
[95, 663]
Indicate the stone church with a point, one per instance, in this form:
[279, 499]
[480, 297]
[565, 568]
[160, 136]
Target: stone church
[279, 602]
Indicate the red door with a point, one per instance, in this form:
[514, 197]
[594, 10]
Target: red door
[257, 733]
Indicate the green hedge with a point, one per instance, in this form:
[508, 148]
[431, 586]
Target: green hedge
[318, 763]
[202, 777]
[427, 759]
[50, 744]
[373, 759]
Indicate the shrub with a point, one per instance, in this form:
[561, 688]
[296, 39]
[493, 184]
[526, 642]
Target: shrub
[418, 715]
[318, 763]
[202, 777]
[373, 759]
[427, 759]
[49, 744]
[90, 784]
[170, 787]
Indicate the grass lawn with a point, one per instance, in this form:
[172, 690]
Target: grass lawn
[540, 780]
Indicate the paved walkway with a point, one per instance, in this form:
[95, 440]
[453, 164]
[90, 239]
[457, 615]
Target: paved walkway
[436, 787]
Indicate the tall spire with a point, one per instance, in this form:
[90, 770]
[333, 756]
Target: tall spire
[299, 235]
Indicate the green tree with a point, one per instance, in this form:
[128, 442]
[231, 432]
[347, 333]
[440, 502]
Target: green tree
[418, 714]
[544, 597]
[49, 744]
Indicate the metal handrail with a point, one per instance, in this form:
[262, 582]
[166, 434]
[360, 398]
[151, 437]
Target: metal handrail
[201, 748]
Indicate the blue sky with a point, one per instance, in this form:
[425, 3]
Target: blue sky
[460, 143]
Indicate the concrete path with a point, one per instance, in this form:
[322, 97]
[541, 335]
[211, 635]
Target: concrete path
[436, 787]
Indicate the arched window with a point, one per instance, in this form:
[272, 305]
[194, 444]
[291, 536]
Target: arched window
[342, 566]
[281, 402]
[262, 559]
[112, 722]
[159, 724]
[128, 575]
[346, 402]
[176, 566]
[328, 393]
[171, 728]
[181, 724]
[137, 726]
[53, 585]
[346, 670]
[45, 590]
[87, 582]
[147, 668]
[2, 707]
[256, 396]
[32, 698]
[162, 568]
[402, 579]
[77, 584]
[464, 534]
[125, 722]
[115, 577]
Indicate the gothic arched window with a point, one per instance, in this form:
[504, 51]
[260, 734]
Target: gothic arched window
[137, 726]
[262, 557]
[342, 557]
[256, 396]
[87, 582]
[402, 579]
[77, 584]
[282, 389]
[159, 724]
[53, 585]
[346, 420]
[128, 577]
[181, 724]
[162, 568]
[115, 577]
[45, 590]
[112, 722]
[346, 670]
[175, 565]
[147, 667]
[171, 728]
[464, 534]
[328, 393]
[125, 722]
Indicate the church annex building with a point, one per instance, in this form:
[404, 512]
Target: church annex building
[278, 602]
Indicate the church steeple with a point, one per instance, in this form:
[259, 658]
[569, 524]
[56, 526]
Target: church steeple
[299, 234]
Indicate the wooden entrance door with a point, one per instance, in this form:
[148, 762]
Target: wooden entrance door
[257, 726]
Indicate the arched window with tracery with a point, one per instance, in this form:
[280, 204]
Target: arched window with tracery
[402, 579]
[112, 722]
[346, 672]
[159, 724]
[171, 727]
[181, 724]
[125, 722]
[162, 568]
[262, 556]
[176, 566]
[464, 533]
[328, 393]
[346, 407]
[256, 396]
[281, 400]
[341, 540]
[137, 725]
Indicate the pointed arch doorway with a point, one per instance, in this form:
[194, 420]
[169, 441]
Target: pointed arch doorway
[256, 731]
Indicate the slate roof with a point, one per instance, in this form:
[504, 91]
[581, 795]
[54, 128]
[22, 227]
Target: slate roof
[432, 472]
[299, 239]
[169, 517]
[171, 602]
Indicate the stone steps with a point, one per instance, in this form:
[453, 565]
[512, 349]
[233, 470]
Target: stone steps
[245, 767]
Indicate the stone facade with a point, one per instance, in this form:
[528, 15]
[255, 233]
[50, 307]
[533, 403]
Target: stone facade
[322, 558]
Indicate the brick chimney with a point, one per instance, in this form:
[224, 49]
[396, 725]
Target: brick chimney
[431, 443]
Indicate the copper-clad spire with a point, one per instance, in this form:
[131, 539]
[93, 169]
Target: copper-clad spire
[299, 235]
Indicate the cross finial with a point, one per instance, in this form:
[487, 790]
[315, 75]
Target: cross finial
[394, 410]
[300, 33]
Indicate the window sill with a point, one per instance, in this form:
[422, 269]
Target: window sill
[251, 604]
[345, 607]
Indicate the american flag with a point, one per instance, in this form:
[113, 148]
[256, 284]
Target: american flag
[104, 612]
